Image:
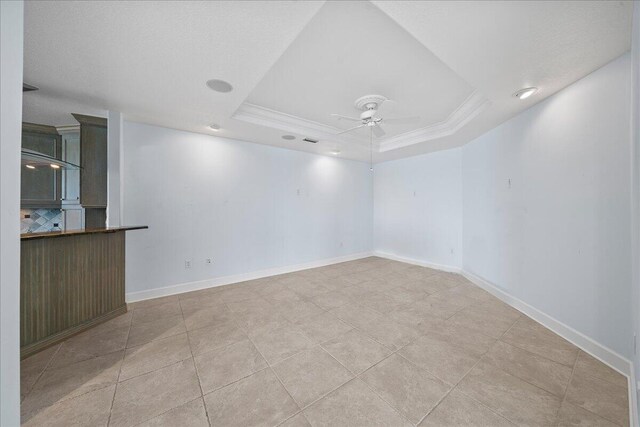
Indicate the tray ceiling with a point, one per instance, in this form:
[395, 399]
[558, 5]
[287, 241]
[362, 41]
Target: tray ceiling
[453, 64]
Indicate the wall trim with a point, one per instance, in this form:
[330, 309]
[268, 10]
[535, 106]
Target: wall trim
[236, 278]
[600, 352]
[442, 267]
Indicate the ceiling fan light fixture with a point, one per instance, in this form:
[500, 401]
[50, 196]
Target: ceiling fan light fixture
[525, 93]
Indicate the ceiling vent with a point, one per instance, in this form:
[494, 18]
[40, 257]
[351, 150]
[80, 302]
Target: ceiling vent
[311, 140]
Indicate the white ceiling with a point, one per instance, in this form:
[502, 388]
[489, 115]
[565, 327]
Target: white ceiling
[453, 64]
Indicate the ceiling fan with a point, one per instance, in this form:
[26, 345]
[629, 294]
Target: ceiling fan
[370, 116]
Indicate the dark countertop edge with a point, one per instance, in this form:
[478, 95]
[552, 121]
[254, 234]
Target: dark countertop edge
[49, 234]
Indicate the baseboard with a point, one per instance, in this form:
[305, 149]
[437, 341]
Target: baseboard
[600, 352]
[227, 280]
[442, 267]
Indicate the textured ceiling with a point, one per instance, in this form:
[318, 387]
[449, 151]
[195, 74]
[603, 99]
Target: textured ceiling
[300, 61]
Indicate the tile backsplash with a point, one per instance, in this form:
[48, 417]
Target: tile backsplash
[40, 220]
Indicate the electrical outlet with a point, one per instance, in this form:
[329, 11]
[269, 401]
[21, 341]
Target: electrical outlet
[208, 261]
[187, 263]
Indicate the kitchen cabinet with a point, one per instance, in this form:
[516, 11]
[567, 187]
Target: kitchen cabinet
[41, 186]
[70, 153]
[93, 161]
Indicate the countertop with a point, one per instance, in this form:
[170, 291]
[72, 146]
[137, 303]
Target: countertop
[49, 234]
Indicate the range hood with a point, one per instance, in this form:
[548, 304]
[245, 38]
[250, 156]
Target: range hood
[35, 160]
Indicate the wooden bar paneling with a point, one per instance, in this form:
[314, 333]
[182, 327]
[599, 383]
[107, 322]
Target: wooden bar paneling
[68, 284]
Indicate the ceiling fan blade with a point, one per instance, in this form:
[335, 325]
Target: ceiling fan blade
[389, 106]
[402, 120]
[349, 130]
[378, 131]
[341, 117]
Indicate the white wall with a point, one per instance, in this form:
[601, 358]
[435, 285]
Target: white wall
[418, 208]
[635, 183]
[247, 206]
[558, 238]
[11, 37]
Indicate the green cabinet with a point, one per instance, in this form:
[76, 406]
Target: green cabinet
[41, 186]
[93, 161]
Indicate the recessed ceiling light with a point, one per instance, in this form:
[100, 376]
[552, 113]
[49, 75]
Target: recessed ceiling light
[288, 137]
[30, 166]
[54, 166]
[525, 93]
[214, 127]
[335, 152]
[219, 85]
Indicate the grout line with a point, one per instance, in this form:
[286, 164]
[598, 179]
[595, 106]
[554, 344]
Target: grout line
[115, 390]
[195, 367]
[46, 366]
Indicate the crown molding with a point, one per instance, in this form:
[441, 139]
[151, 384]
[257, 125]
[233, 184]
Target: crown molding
[263, 116]
[470, 108]
[473, 105]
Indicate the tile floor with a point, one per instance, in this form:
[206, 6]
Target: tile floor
[362, 343]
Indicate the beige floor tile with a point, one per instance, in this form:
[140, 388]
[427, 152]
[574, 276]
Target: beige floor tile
[310, 291]
[323, 327]
[405, 296]
[509, 396]
[544, 373]
[191, 414]
[149, 395]
[152, 313]
[153, 302]
[389, 333]
[481, 320]
[257, 323]
[225, 365]
[472, 291]
[574, 416]
[600, 397]
[201, 301]
[297, 420]
[250, 306]
[378, 285]
[446, 361]
[458, 409]
[32, 367]
[353, 405]
[409, 389]
[285, 295]
[355, 292]
[297, 311]
[356, 315]
[413, 317]
[329, 300]
[269, 288]
[356, 351]
[121, 321]
[278, 344]
[591, 366]
[258, 400]
[537, 339]
[205, 317]
[213, 337]
[237, 293]
[90, 344]
[154, 355]
[462, 337]
[90, 409]
[56, 385]
[165, 327]
[436, 305]
[380, 302]
[311, 374]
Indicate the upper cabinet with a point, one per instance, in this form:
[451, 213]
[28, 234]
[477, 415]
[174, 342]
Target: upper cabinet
[93, 161]
[41, 187]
